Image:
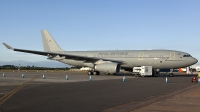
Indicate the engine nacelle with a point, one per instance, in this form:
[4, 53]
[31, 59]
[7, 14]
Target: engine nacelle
[108, 67]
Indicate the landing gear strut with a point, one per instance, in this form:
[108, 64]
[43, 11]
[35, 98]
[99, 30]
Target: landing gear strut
[93, 71]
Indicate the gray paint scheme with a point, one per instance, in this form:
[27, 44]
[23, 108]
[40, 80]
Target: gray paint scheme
[49, 43]
[158, 59]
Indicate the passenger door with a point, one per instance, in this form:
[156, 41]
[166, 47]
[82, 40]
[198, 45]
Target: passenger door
[172, 56]
[140, 55]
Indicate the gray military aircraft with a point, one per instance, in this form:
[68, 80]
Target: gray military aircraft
[111, 61]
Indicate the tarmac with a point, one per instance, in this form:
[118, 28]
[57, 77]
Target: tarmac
[103, 93]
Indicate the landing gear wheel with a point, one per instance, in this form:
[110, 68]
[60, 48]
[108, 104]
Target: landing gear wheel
[171, 75]
[134, 74]
[90, 73]
[96, 73]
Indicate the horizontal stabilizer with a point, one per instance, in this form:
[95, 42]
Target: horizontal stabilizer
[7, 46]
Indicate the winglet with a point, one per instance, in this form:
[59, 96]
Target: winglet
[7, 46]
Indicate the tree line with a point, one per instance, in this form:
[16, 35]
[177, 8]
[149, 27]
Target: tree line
[12, 67]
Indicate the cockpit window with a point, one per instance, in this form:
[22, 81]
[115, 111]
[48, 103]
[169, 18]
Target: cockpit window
[187, 55]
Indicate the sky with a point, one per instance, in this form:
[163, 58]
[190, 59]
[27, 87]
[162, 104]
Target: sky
[99, 25]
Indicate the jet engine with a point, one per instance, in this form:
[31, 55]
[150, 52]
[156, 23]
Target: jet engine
[108, 67]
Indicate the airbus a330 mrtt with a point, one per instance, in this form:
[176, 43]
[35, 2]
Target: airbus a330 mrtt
[111, 61]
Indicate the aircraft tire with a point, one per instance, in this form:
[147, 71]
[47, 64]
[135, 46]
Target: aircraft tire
[171, 75]
[153, 74]
[96, 73]
[90, 73]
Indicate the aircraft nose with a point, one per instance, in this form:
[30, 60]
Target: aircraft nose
[195, 60]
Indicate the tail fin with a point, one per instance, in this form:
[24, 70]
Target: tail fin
[48, 42]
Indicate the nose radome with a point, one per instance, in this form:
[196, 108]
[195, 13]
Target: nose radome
[195, 60]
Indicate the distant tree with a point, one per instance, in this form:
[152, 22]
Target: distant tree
[75, 67]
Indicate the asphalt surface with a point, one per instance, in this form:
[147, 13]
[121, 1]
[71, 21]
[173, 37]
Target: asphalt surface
[55, 93]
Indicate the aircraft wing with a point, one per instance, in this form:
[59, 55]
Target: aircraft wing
[65, 55]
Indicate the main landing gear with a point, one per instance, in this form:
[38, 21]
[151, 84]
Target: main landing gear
[171, 75]
[93, 73]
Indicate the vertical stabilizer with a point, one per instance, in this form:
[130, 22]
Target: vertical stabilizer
[48, 42]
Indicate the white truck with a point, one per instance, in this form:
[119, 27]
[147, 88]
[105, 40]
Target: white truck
[143, 71]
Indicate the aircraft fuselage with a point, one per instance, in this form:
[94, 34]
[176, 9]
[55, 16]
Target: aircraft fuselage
[158, 59]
